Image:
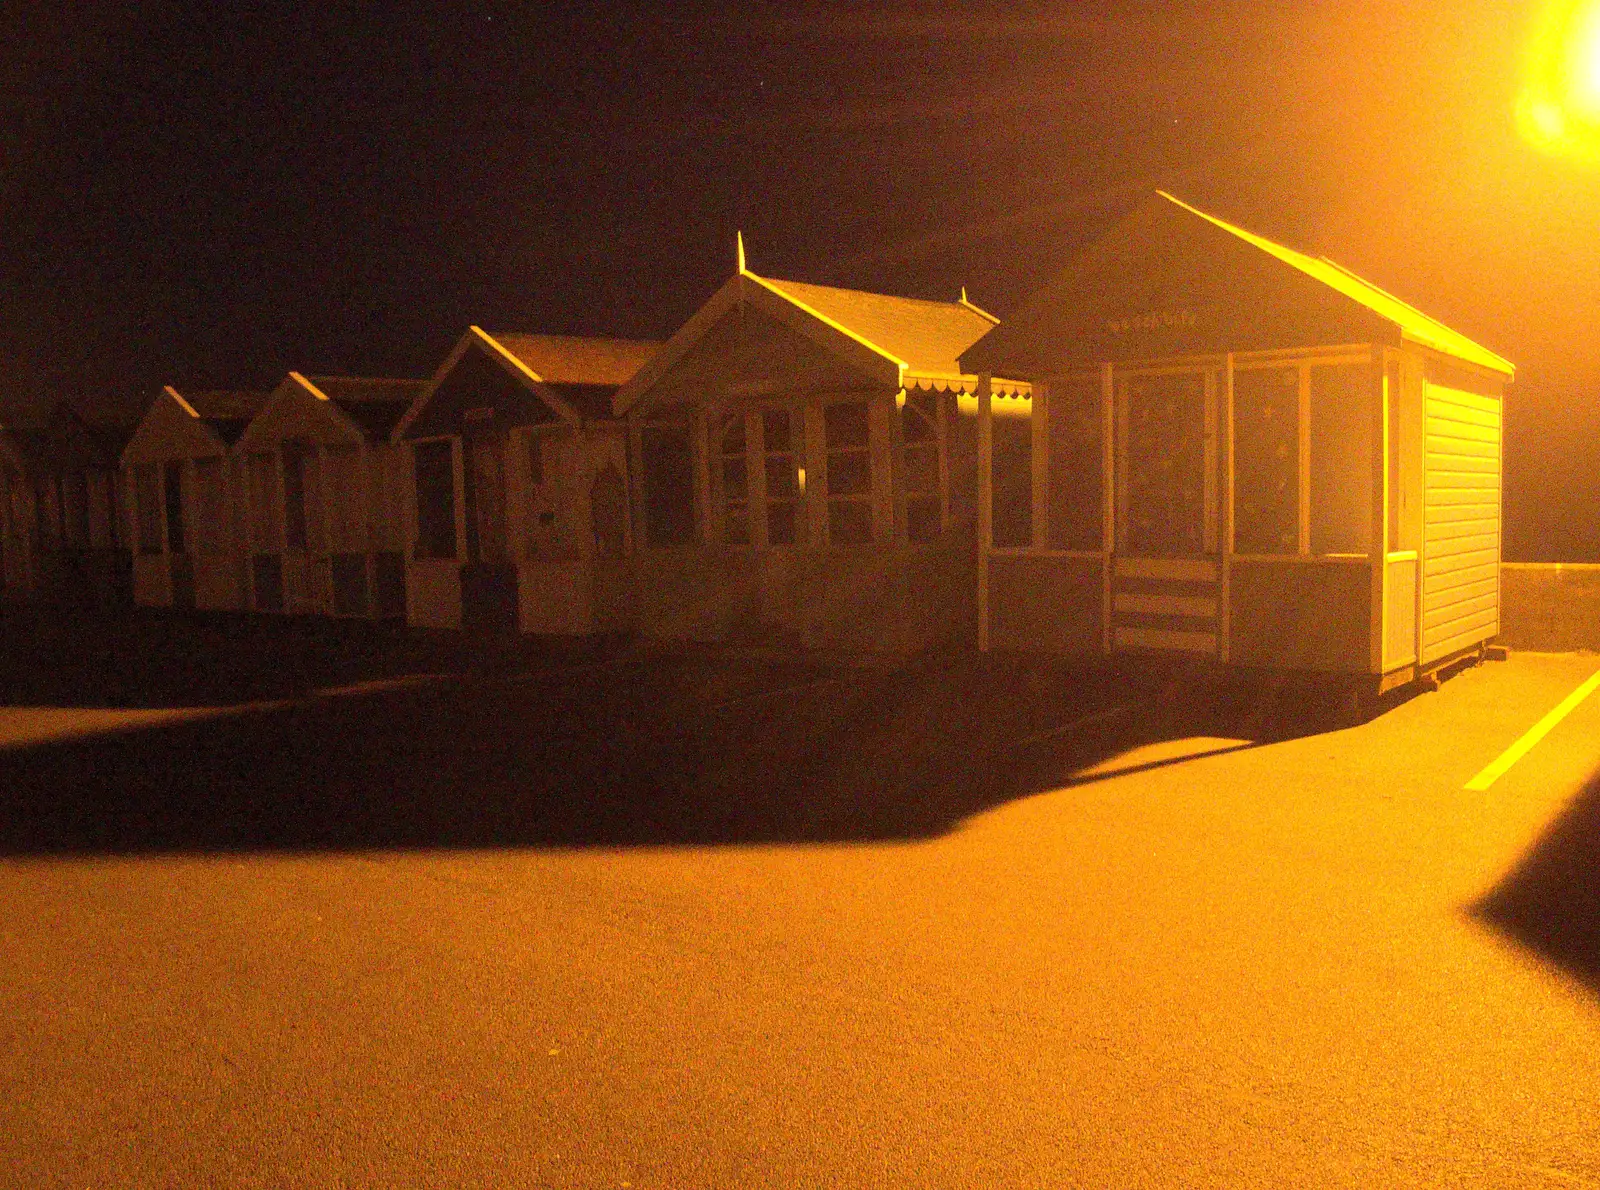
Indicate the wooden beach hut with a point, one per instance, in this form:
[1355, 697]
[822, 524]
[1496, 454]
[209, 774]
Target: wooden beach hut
[518, 491]
[61, 536]
[1239, 452]
[322, 492]
[182, 498]
[808, 468]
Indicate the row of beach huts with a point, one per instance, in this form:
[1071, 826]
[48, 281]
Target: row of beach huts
[1191, 441]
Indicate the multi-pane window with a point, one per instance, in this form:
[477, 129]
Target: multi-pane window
[846, 428]
[436, 500]
[1011, 467]
[1075, 475]
[961, 445]
[1165, 471]
[919, 452]
[147, 506]
[733, 477]
[1303, 438]
[1266, 446]
[782, 475]
[1341, 459]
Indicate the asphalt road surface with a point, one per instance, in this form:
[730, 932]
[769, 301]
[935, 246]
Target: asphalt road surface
[825, 928]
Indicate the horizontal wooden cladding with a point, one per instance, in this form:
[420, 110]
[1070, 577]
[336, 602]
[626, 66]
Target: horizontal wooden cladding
[1484, 629]
[1456, 514]
[1455, 431]
[1446, 411]
[1458, 550]
[1166, 640]
[1183, 570]
[1443, 450]
[1461, 576]
[1449, 563]
[1198, 606]
[1442, 493]
[1459, 634]
[1453, 531]
[1461, 608]
[1453, 469]
[1462, 400]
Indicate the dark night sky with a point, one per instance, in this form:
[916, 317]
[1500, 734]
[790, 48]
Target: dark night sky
[210, 194]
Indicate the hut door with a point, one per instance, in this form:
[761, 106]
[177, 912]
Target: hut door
[1164, 572]
[489, 579]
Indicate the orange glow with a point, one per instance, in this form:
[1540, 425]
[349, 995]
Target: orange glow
[1558, 111]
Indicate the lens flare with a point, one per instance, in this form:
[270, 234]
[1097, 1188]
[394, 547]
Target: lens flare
[1558, 110]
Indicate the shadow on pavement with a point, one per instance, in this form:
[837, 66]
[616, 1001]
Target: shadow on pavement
[665, 750]
[145, 658]
[1550, 902]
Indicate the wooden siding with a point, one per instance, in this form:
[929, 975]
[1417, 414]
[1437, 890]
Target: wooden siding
[1045, 603]
[1461, 522]
[1290, 614]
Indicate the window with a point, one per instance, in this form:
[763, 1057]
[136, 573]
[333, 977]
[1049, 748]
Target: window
[919, 454]
[961, 443]
[846, 428]
[1075, 476]
[1011, 468]
[784, 509]
[1266, 445]
[147, 507]
[173, 482]
[1165, 464]
[436, 500]
[667, 459]
[208, 505]
[1341, 459]
[732, 477]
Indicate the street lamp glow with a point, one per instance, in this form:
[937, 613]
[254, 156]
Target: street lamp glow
[1558, 110]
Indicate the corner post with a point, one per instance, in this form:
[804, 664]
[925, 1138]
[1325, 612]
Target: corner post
[1224, 605]
[985, 505]
[1108, 505]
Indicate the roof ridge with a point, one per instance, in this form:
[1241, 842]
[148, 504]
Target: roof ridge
[895, 297]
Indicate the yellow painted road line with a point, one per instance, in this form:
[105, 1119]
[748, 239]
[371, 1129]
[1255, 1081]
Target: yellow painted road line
[1533, 735]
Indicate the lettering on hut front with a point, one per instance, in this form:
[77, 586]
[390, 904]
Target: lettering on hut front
[1153, 321]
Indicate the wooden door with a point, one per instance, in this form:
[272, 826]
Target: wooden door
[1165, 567]
[489, 578]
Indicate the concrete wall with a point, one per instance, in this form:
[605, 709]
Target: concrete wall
[1551, 607]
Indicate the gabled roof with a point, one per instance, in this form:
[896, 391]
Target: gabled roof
[574, 376]
[928, 337]
[373, 405]
[907, 340]
[1415, 326]
[226, 412]
[574, 359]
[1172, 280]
